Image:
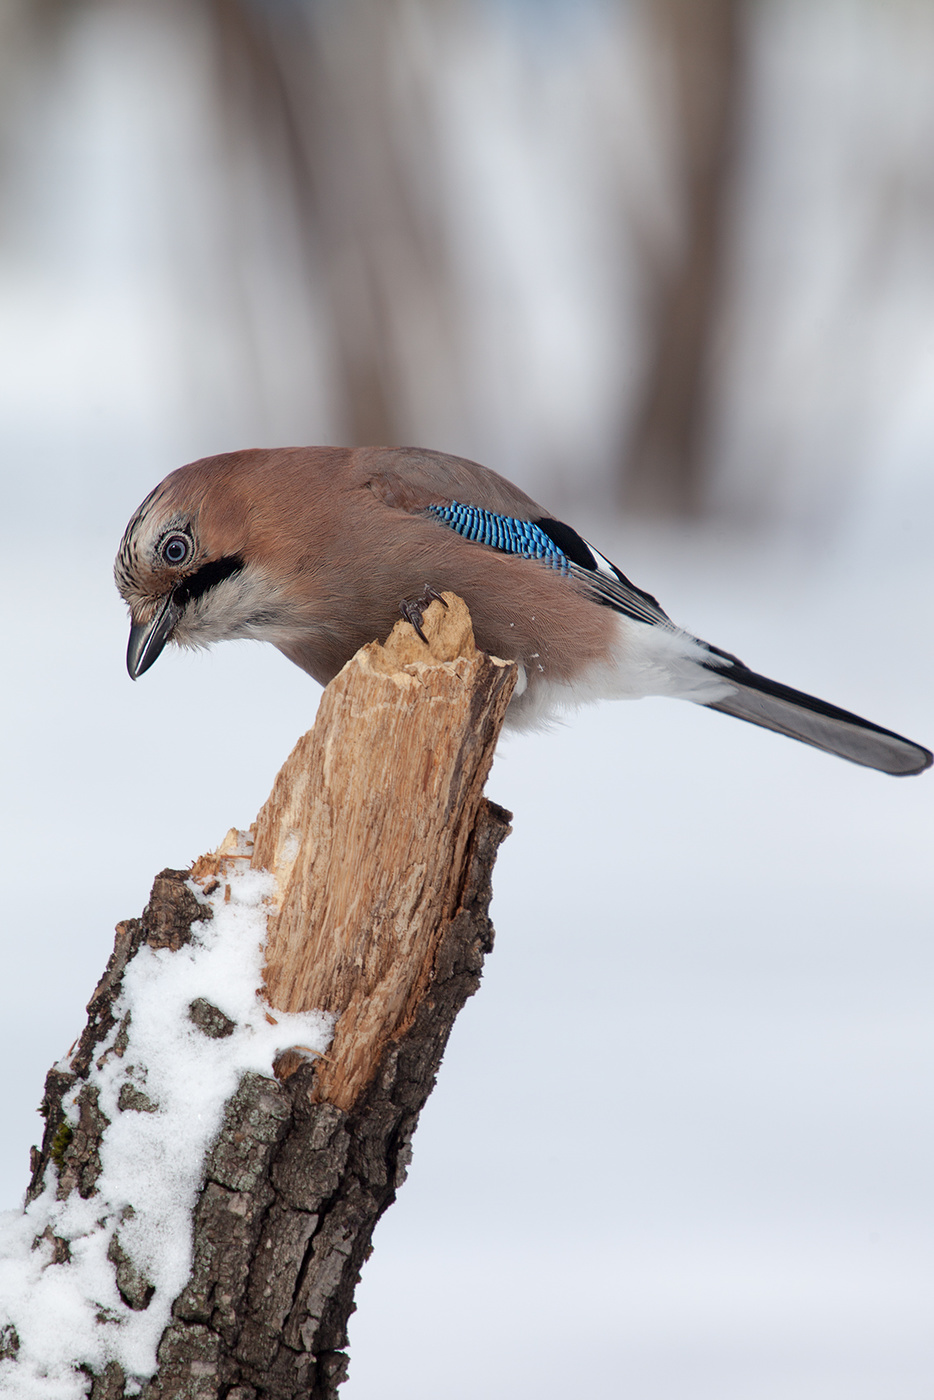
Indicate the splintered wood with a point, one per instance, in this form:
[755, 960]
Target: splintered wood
[367, 833]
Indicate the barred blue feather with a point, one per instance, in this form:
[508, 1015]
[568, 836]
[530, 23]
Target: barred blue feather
[502, 532]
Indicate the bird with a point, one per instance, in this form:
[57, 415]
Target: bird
[318, 550]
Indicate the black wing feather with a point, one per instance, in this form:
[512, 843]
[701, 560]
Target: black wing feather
[605, 582]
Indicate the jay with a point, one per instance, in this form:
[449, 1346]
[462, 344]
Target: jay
[317, 549]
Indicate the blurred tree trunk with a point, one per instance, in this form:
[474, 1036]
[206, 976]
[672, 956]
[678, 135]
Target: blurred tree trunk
[700, 41]
[341, 86]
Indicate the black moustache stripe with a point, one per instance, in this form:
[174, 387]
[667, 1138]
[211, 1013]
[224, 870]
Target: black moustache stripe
[208, 576]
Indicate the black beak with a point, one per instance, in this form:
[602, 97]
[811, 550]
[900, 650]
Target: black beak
[147, 639]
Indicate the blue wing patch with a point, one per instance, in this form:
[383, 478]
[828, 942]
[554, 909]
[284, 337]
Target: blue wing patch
[502, 532]
[561, 548]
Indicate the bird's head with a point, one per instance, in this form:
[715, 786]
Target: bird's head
[189, 570]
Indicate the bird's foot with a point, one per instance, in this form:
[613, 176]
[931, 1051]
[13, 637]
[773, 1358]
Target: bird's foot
[413, 609]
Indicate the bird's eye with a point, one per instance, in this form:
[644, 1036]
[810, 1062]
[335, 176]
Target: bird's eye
[176, 549]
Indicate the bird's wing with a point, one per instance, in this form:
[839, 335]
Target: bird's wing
[557, 545]
[487, 509]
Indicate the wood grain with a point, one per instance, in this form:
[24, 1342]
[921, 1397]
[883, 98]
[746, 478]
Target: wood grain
[366, 831]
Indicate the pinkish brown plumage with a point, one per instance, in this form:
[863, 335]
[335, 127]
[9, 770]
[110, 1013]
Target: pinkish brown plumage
[315, 549]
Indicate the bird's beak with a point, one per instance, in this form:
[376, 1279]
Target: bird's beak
[148, 638]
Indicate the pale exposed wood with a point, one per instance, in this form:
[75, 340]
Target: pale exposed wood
[368, 838]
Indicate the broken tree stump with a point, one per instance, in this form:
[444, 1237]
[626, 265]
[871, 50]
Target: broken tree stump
[227, 1131]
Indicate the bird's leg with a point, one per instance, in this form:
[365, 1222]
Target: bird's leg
[413, 609]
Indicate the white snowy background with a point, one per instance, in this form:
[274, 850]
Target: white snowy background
[682, 1140]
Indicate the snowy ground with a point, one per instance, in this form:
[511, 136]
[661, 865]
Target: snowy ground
[681, 1143]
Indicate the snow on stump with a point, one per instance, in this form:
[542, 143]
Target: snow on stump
[238, 1111]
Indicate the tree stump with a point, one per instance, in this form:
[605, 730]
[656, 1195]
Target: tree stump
[218, 1261]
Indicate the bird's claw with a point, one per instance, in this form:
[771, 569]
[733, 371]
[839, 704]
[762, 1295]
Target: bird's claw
[413, 609]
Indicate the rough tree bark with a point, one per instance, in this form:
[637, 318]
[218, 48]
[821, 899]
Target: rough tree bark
[382, 847]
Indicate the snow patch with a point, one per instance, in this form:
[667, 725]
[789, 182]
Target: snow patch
[178, 1078]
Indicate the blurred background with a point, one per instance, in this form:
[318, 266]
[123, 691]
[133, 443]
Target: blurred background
[668, 264]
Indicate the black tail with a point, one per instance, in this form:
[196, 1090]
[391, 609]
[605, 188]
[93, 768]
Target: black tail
[803, 717]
